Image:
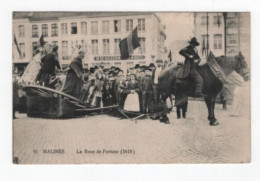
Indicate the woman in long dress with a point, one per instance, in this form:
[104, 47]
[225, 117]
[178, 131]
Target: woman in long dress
[132, 100]
[74, 82]
[32, 69]
[241, 93]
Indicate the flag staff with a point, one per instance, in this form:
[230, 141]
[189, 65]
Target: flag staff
[207, 48]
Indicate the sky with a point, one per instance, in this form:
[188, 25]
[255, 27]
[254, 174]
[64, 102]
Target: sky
[179, 26]
[179, 30]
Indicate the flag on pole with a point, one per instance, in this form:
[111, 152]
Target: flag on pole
[128, 44]
[41, 41]
[170, 56]
[17, 46]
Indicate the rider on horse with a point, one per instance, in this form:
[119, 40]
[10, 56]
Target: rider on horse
[192, 60]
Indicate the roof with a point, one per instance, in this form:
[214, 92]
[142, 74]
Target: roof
[47, 15]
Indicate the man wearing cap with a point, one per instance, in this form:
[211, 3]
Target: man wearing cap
[155, 76]
[192, 60]
[146, 89]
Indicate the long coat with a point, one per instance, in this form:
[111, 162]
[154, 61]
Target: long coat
[146, 84]
[49, 62]
[189, 64]
[74, 82]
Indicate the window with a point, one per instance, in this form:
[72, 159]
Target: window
[21, 30]
[106, 47]
[84, 46]
[83, 28]
[203, 20]
[142, 47]
[129, 25]
[118, 64]
[232, 39]
[45, 30]
[64, 28]
[142, 63]
[105, 26]
[217, 20]
[116, 48]
[74, 29]
[94, 44]
[204, 41]
[94, 27]
[117, 26]
[35, 31]
[22, 49]
[129, 64]
[217, 41]
[141, 24]
[232, 22]
[54, 29]
[34, 45]
[65, 50]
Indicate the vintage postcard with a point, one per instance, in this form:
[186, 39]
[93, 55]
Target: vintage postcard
[131, 87]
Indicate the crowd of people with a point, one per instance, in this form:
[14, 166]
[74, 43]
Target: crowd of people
[136, 89]
[97, 86]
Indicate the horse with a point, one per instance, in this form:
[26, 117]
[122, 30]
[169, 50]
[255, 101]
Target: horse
[182, 88]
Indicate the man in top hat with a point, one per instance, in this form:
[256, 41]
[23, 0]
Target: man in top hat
[192, 60]
[155, 76]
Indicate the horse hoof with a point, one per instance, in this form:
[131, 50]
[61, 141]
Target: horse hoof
[214, 123]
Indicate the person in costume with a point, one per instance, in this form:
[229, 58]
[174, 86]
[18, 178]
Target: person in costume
[74, 82]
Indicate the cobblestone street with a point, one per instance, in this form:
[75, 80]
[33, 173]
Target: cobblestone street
[189, 140]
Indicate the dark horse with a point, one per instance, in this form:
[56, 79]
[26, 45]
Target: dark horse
[182, 88]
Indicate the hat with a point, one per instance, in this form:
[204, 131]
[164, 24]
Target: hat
[151, 65]
[137, 66]
[92, 70]
[159, 60]
[194, 41]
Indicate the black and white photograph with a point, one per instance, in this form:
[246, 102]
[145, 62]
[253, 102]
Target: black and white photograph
[131, 87]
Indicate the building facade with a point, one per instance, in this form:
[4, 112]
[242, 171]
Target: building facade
[98, 34]
[223, 33]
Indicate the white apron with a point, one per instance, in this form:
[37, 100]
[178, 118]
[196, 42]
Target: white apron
[132, 102]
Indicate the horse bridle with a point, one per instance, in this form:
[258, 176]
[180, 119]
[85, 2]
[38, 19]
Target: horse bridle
[241, 66]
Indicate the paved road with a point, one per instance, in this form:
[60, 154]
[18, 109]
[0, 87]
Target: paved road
[189, 140]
